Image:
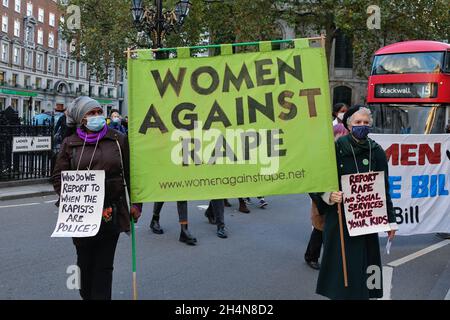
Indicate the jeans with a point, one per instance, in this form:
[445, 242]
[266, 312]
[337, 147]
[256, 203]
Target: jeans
[181, 207]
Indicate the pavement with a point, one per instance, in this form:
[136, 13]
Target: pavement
[21, 190]
[262, 259]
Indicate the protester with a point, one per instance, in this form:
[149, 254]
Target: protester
[116, 122]
[312, 253]
[244, 201]
[125, 123]
[185, 235]
[339, 109]
[215, 215]
[354, 153]
[42, 119]
[60, 127]
[93, 146]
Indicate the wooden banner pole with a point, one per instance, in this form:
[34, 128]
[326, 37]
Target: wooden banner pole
[344, 259]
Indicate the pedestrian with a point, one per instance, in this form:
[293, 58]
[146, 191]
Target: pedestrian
[93, 146]
[314, 247]
[185, 235]
[339, 109]
[216, 215]
[125, 123]
[116, 122]
[355, 153]
[262, 203]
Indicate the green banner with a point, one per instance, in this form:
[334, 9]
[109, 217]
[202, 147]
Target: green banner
[228, 126]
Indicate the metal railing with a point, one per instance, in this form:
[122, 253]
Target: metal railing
[24, 165]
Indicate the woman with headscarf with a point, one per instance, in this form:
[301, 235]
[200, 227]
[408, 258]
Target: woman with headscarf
[355, 153]
[93, 146]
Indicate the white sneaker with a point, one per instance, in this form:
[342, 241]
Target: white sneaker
[262, 203]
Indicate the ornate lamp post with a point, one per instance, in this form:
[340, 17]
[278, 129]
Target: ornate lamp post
[157, 23]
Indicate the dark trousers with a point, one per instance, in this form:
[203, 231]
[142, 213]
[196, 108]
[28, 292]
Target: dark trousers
[315, 244]
[216, 208]
[181, 207]
[95, 258]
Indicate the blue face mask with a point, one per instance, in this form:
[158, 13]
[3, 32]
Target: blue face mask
[360, 132]
[96, 123]
[116, 120]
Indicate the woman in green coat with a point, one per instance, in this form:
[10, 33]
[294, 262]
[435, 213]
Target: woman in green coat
[354, 153]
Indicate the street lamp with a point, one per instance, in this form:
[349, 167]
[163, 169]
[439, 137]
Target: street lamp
[156, 23]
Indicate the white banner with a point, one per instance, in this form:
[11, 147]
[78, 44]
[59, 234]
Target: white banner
[419, 179]
[365, 203]
[81, 203]
[26, 144]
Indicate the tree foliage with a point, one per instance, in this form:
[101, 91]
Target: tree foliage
[107, 28]
[400, 20]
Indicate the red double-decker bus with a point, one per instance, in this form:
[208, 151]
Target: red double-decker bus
[409, 87]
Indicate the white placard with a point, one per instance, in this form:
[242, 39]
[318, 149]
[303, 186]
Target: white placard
[81, 203]
[365, 203]
[419, 179]
[26, 144]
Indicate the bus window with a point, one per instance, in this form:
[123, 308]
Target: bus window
[406, 119]
[447, 62]
[421, 62]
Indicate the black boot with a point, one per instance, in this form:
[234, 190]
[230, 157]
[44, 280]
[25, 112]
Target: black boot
[186, 236]
[154, 225]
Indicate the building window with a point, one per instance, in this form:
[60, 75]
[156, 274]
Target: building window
[41, 15]
[49, 84]
[5, 49]
[39, 61]
[15, 77]
[51, 64]
[29, 9]
[38, 83]
[110, 93]
[17, 28]
[5, 3]
[111, 75]
[51, 40]
[5, 23]
[61, 66]
[343, 54]
[28, 82]
[82, 70]
[30, 34]
[81, 88]
[2, 78]
[17, 6]
[29, 58]
[40, 39]
[342, 94]
[16, 55]
[100, 91]
[71, 88]
[51, 19]
[72, 68]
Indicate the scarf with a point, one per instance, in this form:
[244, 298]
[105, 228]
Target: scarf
[92, 137]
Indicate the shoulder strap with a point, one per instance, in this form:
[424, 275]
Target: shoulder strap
[123, 175]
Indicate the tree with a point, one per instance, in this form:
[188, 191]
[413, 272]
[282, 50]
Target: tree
[400, 20]
[106, 32]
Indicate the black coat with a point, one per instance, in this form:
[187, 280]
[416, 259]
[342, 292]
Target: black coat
[361, 251]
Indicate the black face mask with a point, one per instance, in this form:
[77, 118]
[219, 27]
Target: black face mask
[360, 132]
